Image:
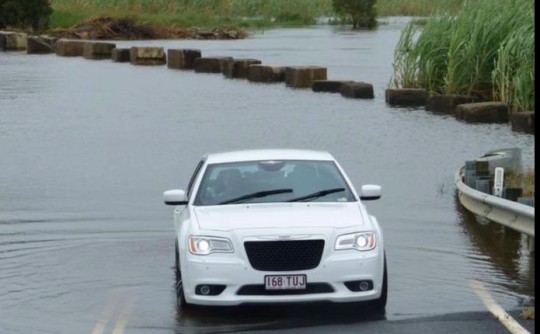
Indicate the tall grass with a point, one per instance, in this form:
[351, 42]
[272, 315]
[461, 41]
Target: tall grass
[524, 180]
[485, 49]
[416, 7]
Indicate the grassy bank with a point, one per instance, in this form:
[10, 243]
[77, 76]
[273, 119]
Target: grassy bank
[485, 49]
[242, 13]
[201, 13]
[523, 180]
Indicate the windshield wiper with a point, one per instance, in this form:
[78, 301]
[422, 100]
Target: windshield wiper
[317, 194]
[257, 195]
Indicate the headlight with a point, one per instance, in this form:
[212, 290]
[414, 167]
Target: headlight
[200, 245]
[362, 241]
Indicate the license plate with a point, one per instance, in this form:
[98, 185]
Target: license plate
[285, 282]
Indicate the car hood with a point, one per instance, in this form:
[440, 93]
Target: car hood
[279, 215]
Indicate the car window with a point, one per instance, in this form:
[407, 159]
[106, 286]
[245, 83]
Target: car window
[194, 177]
[224, 182]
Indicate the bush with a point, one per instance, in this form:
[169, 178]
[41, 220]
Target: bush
[361, 13]
[25, 13]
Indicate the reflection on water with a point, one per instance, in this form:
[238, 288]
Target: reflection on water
[275, 317]
[503, 248]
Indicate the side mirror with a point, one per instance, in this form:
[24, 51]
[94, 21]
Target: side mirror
[370, 192]
[175, 197]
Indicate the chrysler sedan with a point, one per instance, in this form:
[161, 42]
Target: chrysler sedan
[276, 226]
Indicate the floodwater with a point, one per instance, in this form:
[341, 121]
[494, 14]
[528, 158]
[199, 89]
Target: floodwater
[88, 147]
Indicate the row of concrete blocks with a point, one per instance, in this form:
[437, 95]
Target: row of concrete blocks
[462, 107]
[314, 77]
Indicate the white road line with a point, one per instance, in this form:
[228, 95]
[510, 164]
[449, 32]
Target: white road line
[106, 315]
[512, 325]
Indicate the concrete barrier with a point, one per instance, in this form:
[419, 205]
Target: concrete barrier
[12, 41]
[522, 121]
[483, 112]
[238, 68]
[122, 55]
[210, 64]
[357, 90]
[98, 50]
[266, 73]
[447, 103]
[328, 86]
[303, 76]
[406, 97]
[70, 48]
[182, 58]
[38, 45]
[153, 55]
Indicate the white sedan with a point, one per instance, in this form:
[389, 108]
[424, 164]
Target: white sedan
[276, 226]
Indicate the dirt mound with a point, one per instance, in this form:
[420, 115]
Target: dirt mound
[126, 29]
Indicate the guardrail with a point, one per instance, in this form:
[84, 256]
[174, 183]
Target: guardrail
[517, 216]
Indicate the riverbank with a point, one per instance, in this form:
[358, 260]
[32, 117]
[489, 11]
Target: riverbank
[110, 28]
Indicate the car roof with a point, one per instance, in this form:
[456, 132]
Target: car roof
[267, 154]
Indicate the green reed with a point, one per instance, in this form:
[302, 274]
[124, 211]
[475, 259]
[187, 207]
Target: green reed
[416, 7]
[485, 49]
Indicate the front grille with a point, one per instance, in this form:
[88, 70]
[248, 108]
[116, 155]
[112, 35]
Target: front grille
[259, 290]
[284, 255]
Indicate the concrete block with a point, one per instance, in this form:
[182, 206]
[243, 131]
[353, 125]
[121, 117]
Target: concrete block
[38, 45]
[447, 103]
[328, 86]
[210, 64]
[357, 90]
[98, 50]
[303, 76]
[12, 41]
[153, 55]
[70, 48]
[483, 112]
[238, 68]
[182, 58]
[522, 121]
[406, 97]
[266, 73]
[512, 194]
[122, 55]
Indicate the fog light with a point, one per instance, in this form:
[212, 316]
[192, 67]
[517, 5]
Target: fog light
[359, 286]
[205, 290]
[363, 286]
[209, 289]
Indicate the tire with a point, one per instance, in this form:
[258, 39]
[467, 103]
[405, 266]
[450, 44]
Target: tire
[379, 305]
[176, 260]
[179, 288]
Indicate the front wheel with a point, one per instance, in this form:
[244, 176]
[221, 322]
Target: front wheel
[379, 304]
[179, 288]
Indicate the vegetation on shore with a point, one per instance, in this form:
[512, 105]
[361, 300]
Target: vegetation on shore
[485, 49]
[182, 16]
[240, 13]
[524, 180]
[28, 13]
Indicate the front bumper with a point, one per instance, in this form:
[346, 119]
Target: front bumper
[235, 273]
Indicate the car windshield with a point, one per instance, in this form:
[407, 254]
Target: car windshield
[272, 181]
